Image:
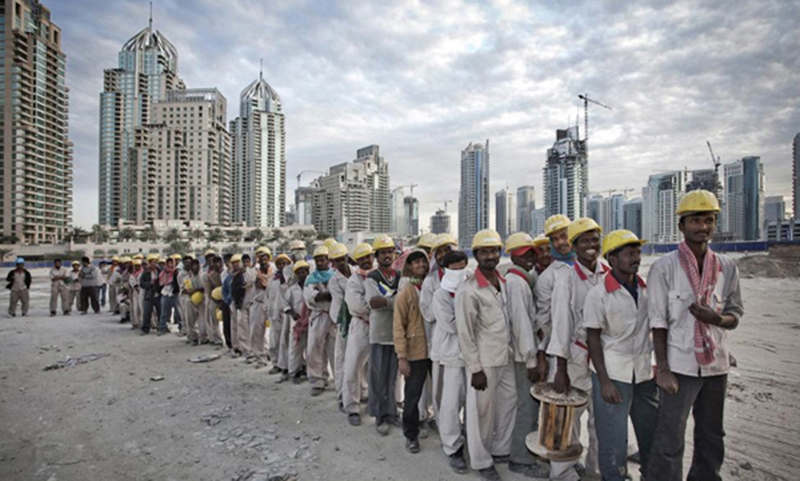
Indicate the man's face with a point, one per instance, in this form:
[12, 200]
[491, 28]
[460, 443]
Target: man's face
[322, 263]
[488, 257]
[627, 260]
[340, 264]
[587, 246]
[281, 264]
[699, 228]
[458, 266]
[560, 241]
[170, 263]
[419, 267]
[301, 274]
[526, 261]
[85, 263]
[246, 262]
[187, 263]
[57, 264]
[365, 263]
[209, 258]
[545, 258]
[385, 257]
[194, 266]
[237, 266]
[441, 252]
[75, 267]
[152, 264]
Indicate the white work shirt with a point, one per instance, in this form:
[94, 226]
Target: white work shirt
[625, 336]
[569, 295]
[355, 296]
[444, 345]
[522, 313]
[543, 292]
[668, 304]
[337, 286]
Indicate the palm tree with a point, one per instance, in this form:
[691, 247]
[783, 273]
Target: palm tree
[216, 235]
[277, 235]
[126, 234]
[172, 235]
[99, 234]
[150, 234]
[4, 253]
[197, 235]
[180, 247]
[76, 233]
[235, 235]
[256, 235]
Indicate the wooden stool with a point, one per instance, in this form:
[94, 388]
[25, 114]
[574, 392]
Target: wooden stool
[553, 440]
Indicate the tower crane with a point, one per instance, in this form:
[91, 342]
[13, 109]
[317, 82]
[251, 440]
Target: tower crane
[586, 100]
[307, 171]
[717, 163]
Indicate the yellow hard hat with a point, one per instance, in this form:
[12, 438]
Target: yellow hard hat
[136, 262]
[619, 238]
[264, 250]
[190, 255]
[187, 284]
[219, 315]
[138, 256]
[698, 201]
[555, 223]
[176, 257]
[152, 257]
[115, 259]
[362, 250]
[426, 240]
[162, 260]
[517, 241]
[486, 238]
[541, 240]
[300, 265]
[284, 257]
[321, 251]
[297, 245]
[197, 298]
[330, 242]
[581, 226]
[382, 242]
[444, 240]
[209, 252]
[338, 251]
[76, 263]
[236, 258]
[124, 259]
[216, 294]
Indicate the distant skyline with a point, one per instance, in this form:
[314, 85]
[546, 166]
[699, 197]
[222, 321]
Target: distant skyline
[424, 80]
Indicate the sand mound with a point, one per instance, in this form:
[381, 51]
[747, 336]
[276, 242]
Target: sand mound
[768, 266]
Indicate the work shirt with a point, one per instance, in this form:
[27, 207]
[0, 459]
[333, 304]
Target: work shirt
[337, 287]
[18, 282]
[381, 321]
[668, 304]
[355, 296]
[250, 276]
[484, 332]
[60, 272]
[625, 330]
[88, 276]
[522, 314]
[75, 281]
[294, 299]
[319, 309]
[445, 348]
[409, 326]
[569, 295]
[276, 299]
[183, 275]
[429, 287]
[543, 292]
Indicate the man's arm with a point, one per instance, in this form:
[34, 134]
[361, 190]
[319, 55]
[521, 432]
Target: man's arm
[595, 322]
[399, 325]
[355, 298]
[520, 307]
[443, 312]
[559, 346]
[658, 312]
[426, 298]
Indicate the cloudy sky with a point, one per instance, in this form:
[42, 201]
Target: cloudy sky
[423, 79]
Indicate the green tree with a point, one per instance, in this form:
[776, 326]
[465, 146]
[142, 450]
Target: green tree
[4, 253]
[9, 239]
[197, 235]
[172, 235]
[76, 234]
[277, 236]
[235, 235]
[126, 234]
[149, 234]
[216, 235]
[179, 247]
[99, 234]
[256, 235]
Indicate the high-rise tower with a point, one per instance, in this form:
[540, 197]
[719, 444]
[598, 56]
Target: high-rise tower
[566, 175]
[473, 200]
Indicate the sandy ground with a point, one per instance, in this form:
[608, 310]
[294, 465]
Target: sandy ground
[224, 420]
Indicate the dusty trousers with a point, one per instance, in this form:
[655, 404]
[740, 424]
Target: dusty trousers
[354, 386]
[275, 341]
[258, 332]
[59, 291]
[297, 347]
[340, 351]
[209, 318]
[415, 384]
[448, 418]
[191, 313]
[19, 297]
[382, 382]
[490, 416]
[240, 330]
[321, 346]
[527, 419]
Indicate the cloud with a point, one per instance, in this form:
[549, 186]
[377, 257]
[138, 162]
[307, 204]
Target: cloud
[424, 79]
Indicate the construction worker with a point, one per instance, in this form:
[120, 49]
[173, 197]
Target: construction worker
[555, 229]
[276, 303]
[88, 293]
[170, 293]
[112, 288]
[258, 313]
[358, 345]
[135, 294]
[184, 297]
[545, 256]
[440, 247]
[445, 348]
[339, 314]
[74, 285]
[297, 250]
[426, 242]
[322, 330]
[121, 271]
[19, 283]
[58, 289]
[151, 292]
[193, 296]
[522, 314]
[568, 340]
[618, 334]
[102, 288]
[298, 312]
[485, 339]
[240, 327]
[227, 300]
[694, 300]
[379, 290]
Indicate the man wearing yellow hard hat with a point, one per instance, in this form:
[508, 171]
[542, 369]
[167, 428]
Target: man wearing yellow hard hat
[618, 335]
[484, 335]
[339, 313]
[112, 288]
[170, 293]
[694, 300]
[545, 256]
[58, 288]
[240, 328]
[151, 293]
[129, 284]
[322, 332]
[192, 293]
[358, 349]
[298, 315]
[568, 340]
[426, 242]
[279, 330]
[379, 290]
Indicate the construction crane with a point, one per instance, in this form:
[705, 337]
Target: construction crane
[307, 171]
[717, 163]
[586, 100]
[411, 187]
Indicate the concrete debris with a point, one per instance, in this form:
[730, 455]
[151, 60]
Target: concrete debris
[214, 417]
[157, 378]
[207, 358]
[74, 361]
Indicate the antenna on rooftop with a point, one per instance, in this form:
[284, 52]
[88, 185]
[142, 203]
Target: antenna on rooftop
[151, 15]
[261, 69]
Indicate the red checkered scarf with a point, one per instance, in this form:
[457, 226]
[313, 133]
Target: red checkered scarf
[703, 287]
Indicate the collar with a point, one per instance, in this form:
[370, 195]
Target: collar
[612, 284]
[581, 270]
[441, 273]
[481, 279]
[517, 271]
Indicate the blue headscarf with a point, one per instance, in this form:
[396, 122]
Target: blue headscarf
[319, 277]
[567, 259]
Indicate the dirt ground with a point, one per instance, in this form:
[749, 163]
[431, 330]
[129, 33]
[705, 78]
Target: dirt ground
[107, 419]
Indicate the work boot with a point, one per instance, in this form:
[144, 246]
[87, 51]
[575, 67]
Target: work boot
[382, 428]
[274, 370]
[423, 430]
[529, 470]
[354, 419]
[316, 391]
[412, 445]
[489, 474]
[52, 313]
[284, 377]
[457, 463]
[432, 425]
[501, 459]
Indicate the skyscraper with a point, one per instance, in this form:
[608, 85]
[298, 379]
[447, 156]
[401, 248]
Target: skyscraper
[744, 195]
[632, 217]
[35, 150]
[566, 175]
[440, 222]
[505, 213]
[399, 212]
[473, 198]
[774, 209]
[537, 221]
[259, 157]
[526, 204]
[796, 177]
[411, 205]
[148, 69]
[659, 202]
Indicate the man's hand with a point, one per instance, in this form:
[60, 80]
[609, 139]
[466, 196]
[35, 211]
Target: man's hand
[704, 313]
[533, 375]
[404, 367]
[542, 365]
[562, 382]
[667, 381]
[610, 392]
[479, 381]
[322, 297]
[377, 302]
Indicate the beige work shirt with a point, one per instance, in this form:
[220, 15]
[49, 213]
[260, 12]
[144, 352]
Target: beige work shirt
[484, 332]
[625, 336]
[444, 345]
[543, 292]
[355, 296]
[337, 287]
[668, 304]
[18, 283]
[522, 313]
[60, 272]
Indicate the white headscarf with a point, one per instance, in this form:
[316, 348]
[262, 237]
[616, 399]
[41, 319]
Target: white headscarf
[453, 279]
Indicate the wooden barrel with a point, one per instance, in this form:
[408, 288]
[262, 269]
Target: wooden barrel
[554, 440]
